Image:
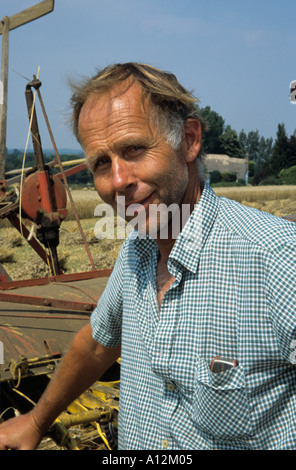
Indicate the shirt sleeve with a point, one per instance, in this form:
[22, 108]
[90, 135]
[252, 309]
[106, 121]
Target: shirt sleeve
[281, 285]
[106, 319]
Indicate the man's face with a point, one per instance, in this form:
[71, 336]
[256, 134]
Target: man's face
[128, 154]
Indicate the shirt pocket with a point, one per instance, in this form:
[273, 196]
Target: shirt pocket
[220, 404]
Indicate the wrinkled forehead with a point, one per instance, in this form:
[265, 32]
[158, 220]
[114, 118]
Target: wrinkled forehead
[126, 99]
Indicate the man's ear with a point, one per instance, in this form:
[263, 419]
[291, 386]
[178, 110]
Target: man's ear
[192, 139]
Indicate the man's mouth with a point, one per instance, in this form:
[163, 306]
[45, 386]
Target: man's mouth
[143, 202]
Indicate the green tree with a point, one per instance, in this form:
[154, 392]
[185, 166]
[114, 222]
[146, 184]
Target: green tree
[264, 153]
[292, 150]
[251, 169]
[230, 144]
[257, 148]
[243, 140]
[253, 142]
[280, 152]
[215, 177]
[288, 175]
[215, 129]
[229, 177]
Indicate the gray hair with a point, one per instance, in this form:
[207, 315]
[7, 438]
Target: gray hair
[172, 104]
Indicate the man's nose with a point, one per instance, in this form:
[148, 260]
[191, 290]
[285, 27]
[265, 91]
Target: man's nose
[122, 175]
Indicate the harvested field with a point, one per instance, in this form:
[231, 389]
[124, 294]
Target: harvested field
[21, 262]
[277, 200]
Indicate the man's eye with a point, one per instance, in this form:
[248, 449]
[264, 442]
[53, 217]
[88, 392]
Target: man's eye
[136, 150]
[100, 163]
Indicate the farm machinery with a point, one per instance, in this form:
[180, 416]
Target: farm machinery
[39, 317]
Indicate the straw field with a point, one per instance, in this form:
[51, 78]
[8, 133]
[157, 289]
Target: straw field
[21, 262]
[277, 200]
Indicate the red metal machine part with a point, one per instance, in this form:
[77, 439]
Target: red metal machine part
[43, 200]
[39, 317]
[43, 197]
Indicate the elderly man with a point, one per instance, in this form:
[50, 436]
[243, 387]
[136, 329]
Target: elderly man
[204, 320]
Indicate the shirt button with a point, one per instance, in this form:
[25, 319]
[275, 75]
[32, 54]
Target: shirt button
[165, 444]
[171, 387]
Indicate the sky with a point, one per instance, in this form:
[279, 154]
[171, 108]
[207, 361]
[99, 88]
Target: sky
[238, 57]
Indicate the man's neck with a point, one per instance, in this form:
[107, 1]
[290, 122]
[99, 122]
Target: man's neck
[191, 197]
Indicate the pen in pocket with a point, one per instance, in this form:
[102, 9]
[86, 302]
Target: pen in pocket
[220, 364]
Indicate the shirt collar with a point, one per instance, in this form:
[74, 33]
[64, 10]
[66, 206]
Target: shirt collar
[144, 245]
[190, 242]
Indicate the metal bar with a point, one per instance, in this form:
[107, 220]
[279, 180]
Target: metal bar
[34, 127]
[45, 188]
[65, 180]
[43, 317]
[52, 164]
[4, 276]
[8, 208]
[15, 179]
[78, 161]
[46, 302]
[45, 191]
[59, 278]
[4, 79]
[97, 414]
[7, 24]
[25, 232]
[72, 171]
[30, 14]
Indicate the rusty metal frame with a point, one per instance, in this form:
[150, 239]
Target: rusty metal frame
[33, 242]
[46, 195]
[40, 281]
[48, 301]
[72, 171]
[63, 176]
[4, 276]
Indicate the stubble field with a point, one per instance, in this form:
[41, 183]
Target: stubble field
[21, 262]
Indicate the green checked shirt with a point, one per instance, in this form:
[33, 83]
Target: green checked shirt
[234, 296]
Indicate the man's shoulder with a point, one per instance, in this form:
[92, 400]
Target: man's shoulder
[257, 227]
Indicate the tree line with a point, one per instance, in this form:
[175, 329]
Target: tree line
[270, 161]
